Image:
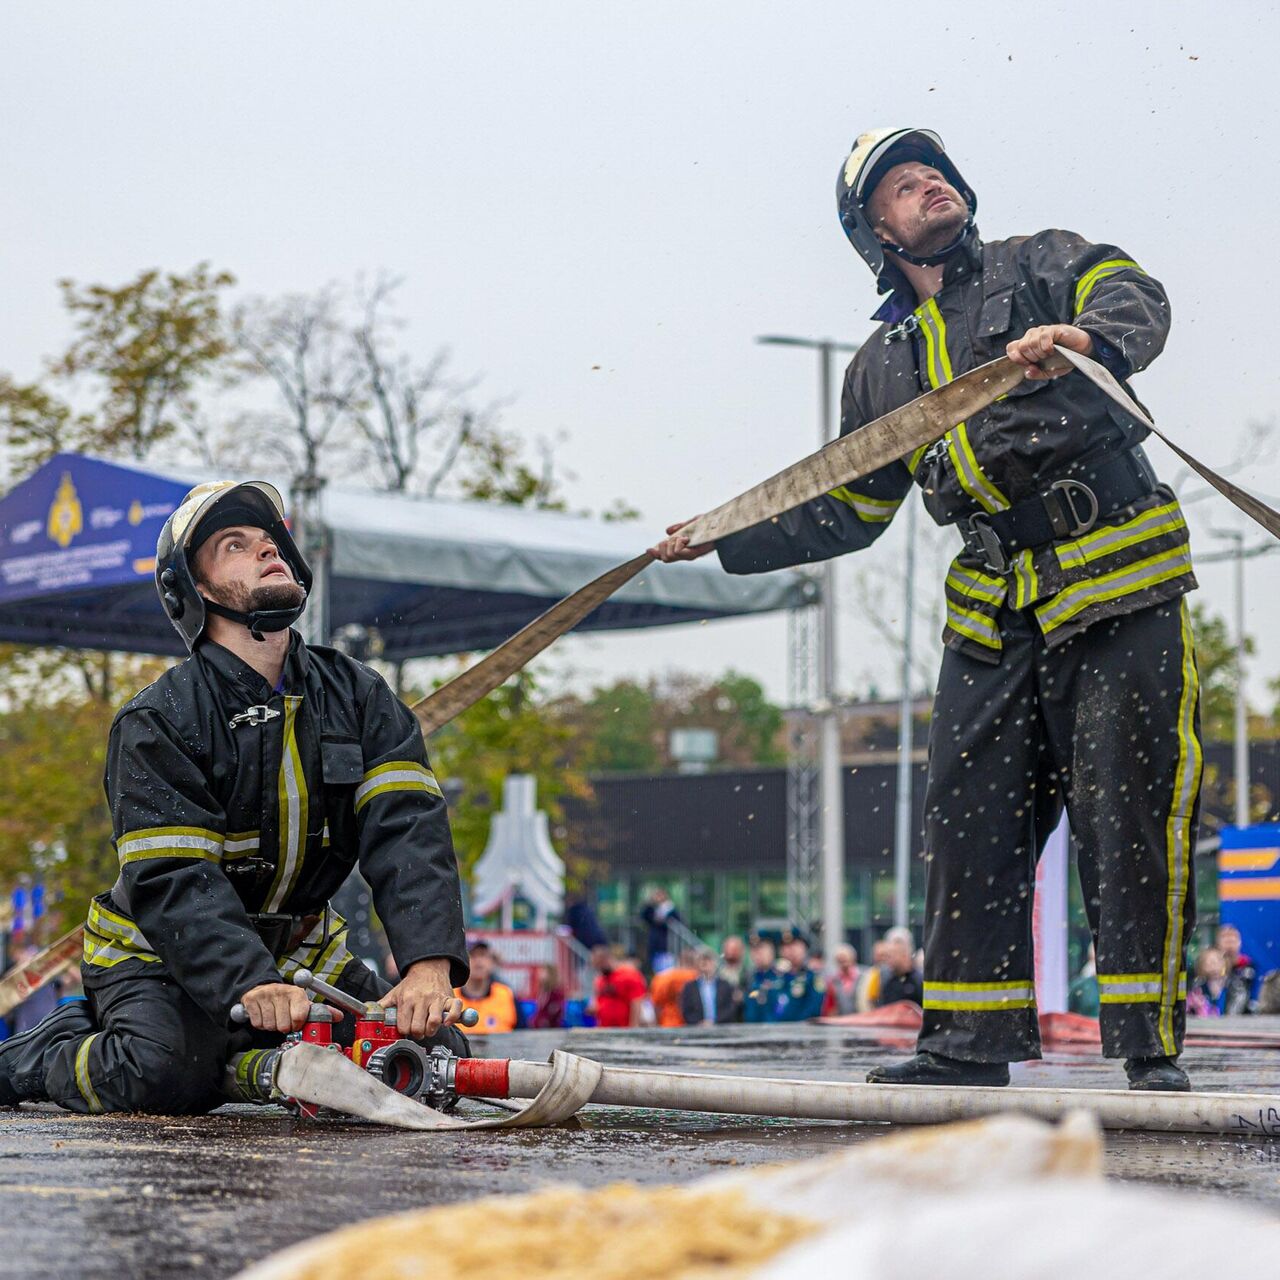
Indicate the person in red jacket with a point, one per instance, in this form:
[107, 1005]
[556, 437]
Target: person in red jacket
[619, 988]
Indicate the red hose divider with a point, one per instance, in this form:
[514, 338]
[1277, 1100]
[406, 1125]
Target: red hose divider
[483, 1078]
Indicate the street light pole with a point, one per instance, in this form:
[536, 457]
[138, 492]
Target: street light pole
[902, 833]
[1241, 752]
[828, 714]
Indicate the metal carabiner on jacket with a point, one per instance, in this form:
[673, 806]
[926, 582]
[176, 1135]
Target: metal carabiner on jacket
[903, 329]
[253, 715]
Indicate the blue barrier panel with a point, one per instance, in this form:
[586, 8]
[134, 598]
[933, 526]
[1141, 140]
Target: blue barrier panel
[1249, 890]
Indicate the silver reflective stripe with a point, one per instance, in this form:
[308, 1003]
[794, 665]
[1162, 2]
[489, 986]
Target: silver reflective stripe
[1130, 988]
[936, 991]
[242, 845]
[411, 777]
[1146, 573]
[968, 583]
[105, 951]
[1166, 519]
[292, 798]
[195, 843]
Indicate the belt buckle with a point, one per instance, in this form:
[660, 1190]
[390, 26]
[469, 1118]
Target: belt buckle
[1067, 491]
[995, 559]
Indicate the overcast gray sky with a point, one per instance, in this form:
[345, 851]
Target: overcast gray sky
[600, 206]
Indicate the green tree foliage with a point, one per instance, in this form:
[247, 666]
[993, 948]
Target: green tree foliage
[627, 726]
[1219, 673]
[144, 349]
[510, 731]
[624, 737]
[56, 712]
[35, 424]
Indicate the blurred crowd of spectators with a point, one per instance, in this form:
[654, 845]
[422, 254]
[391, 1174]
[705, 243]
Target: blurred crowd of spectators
[759, 981]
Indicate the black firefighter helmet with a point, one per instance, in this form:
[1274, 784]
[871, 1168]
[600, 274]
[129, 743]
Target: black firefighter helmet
[873, 155]
[207, 508]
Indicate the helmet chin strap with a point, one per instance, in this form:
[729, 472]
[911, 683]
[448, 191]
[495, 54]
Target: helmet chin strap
[935, 259]
[258, 620]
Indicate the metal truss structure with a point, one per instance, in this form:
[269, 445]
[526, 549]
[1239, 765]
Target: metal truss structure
[804, 778]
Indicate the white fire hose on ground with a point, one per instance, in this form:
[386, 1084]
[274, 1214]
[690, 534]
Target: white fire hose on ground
[560, 1088]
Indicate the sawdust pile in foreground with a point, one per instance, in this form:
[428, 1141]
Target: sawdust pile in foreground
[620, 1232]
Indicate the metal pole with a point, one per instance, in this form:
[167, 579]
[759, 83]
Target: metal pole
[902, 833]
[829, 746]
[1242, 717]
[312, 537]
[826, 710]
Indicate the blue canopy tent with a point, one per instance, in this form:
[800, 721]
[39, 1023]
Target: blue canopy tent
[77, 547]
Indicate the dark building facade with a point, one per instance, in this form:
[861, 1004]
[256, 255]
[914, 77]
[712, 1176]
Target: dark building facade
[717, 842]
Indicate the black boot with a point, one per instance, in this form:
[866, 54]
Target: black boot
[22, 1056]
[934, 1068]
[1157, 1075]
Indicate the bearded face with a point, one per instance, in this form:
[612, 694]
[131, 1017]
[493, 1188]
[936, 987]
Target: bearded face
[246, 599]
[242, 569]
[916, 208]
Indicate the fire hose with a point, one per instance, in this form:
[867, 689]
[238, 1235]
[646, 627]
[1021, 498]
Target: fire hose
[558, 1089]
[896, 435]
[388, 1079]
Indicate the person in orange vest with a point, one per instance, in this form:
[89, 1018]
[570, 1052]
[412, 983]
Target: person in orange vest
[494, 1001]
[666, 988]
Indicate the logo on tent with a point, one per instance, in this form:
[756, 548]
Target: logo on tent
[66, 517]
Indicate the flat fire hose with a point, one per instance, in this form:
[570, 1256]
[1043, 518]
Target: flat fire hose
[561, 1087]
[896, 435]
[1243, 1114]
[309, 1073]
[25, 979]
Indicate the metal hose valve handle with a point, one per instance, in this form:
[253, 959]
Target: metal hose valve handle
[306, 979]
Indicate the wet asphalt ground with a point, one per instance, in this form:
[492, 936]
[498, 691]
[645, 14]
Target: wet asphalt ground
[144, 1197]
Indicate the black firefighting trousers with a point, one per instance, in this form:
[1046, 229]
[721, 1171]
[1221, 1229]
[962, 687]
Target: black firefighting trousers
[1108, 721]
[141, 1044]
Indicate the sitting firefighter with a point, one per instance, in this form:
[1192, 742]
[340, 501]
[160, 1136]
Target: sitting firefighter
[244, 786]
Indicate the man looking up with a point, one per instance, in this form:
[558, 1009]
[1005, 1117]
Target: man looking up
[1069, 673]
[244, 785]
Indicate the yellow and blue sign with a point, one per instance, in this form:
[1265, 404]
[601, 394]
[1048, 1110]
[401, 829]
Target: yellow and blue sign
[78, 523]
[1249, 889]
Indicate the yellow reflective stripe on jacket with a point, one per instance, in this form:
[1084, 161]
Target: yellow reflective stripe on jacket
[976, 585]
[1100, 271]
[973, 626]
[1107, 541]
[1127, 580]
[396, 775]
[240, 844]
[973, 480]
[291, 798]
[169, 842]
[1135, 988]
[1178, 851]
[110, 938]
[865, 507]
[1026, 583]
[325, 957]
[980, 997]
[83, 1083]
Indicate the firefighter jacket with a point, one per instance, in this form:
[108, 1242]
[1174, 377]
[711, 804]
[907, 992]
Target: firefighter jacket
[230, 799]
[1038, 433]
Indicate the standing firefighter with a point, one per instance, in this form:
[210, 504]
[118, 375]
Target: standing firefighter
[244, 786]
[1069, 672]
